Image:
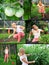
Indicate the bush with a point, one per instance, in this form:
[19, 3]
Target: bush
[47, 10]
[35, 13]
[44, 38]
[13, 56]
[40, 53]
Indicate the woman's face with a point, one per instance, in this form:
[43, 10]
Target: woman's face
[6, 47]
[35, 27]
[40, 3]
[13, 25]
[22, 51]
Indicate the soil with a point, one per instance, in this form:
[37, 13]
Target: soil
[7, 40]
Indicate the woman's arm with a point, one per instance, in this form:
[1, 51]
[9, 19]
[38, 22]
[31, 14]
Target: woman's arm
[28, 54]
[42, 30]
[30, 34]
[14, 30]
[22, 27]
[28, 62]
[12, 33]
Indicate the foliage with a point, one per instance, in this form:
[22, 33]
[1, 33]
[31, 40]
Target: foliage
[40, 53]
[36, 14]
[47, 10]
[27, 8]
[9, 63]
[5, 36]
[13, 56]
[44, 38]
[16, 6]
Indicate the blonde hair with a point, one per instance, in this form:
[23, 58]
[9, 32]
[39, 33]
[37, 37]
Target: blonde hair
[21, 49]
[13, 24]
[19, 53]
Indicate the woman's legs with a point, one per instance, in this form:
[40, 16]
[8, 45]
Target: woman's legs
[6, 58]
[19, 36]
[35, 40]
[43, 15]
[22, 35]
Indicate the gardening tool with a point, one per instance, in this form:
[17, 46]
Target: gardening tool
[8, 38]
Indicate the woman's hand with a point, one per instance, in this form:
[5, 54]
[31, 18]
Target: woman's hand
[28, 54]
[33, 61]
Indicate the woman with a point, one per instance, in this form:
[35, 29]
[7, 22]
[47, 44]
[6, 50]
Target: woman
[23, 57]
[18, 32]
[36, 33]
[6, 54]
[41, 8]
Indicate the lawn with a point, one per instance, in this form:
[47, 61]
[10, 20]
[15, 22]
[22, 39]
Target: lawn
[12, 62]
[4, 39]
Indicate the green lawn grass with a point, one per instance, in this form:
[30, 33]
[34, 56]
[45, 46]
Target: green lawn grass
[4, 36]
[9, 62]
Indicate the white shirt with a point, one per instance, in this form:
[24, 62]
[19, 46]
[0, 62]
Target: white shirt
[21, 57]
[19, 29]
[6, 51]
[40, 6]
[36, 33]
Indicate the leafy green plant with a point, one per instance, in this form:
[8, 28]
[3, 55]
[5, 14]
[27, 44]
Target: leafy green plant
[15, 5]
[35, 13]
[39, 52]
[44, 38]
[13, 56]
[47, 10]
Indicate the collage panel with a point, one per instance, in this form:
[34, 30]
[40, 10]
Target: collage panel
[24, 32]
[7, 54]
[33, 54]
[15, 9]
[38, 33]
[12, 32]
[40, 9]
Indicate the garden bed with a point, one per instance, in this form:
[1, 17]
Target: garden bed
[44, 39]
[4, 39]
[35, 15]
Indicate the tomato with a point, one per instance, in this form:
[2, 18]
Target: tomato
[9, 11]
[19, 13]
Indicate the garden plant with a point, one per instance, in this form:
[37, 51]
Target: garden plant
[39, 53]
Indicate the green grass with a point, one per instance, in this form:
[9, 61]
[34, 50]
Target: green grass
[44, 38]
[5, 63]
[4, 36]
